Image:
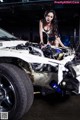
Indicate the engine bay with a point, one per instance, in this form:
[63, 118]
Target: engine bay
[46, 51]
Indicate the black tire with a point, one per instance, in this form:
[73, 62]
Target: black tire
[16, 91]
[30, 95]
[29, 88]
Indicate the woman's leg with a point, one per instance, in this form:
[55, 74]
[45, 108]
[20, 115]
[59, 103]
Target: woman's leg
[56, 42]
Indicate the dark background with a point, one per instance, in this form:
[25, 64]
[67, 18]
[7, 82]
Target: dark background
[22, 19]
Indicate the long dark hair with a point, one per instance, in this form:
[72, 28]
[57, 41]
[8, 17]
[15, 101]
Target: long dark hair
[54, 22]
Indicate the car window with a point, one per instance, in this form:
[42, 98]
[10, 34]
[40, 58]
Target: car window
[6, 36]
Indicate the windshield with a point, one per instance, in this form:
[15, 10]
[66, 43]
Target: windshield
[6, 36]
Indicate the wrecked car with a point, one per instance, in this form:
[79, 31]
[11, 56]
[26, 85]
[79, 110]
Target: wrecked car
[24, 65]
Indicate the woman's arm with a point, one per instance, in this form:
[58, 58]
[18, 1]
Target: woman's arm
[40, 31]
[60, 42]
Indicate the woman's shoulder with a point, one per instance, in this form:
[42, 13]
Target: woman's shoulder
[41, 22]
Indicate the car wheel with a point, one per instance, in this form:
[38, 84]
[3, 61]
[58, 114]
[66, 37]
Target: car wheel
[16, 91]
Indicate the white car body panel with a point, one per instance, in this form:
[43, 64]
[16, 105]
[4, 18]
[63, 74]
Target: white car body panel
[26, 56]
[11, 43]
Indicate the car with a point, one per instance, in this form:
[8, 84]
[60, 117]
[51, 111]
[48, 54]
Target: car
[24, 65]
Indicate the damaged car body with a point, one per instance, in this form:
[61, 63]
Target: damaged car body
[24, 64]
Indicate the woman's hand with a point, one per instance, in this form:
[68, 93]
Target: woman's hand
[41, 42]
[65, 47]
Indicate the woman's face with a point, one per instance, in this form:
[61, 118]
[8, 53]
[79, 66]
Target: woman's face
[49, 17]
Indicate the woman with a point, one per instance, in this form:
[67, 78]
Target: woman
[48, 25]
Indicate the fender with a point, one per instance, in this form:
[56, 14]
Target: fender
[26, 56]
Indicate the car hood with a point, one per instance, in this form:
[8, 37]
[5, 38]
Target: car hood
[11, 43]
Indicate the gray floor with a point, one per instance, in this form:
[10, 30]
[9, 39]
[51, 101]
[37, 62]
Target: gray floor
[49, 108]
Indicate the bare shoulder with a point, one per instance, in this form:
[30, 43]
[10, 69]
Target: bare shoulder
[40, 22]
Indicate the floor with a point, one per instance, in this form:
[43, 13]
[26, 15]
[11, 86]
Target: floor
[54, 108]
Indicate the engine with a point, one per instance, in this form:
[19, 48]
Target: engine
[44, 51]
